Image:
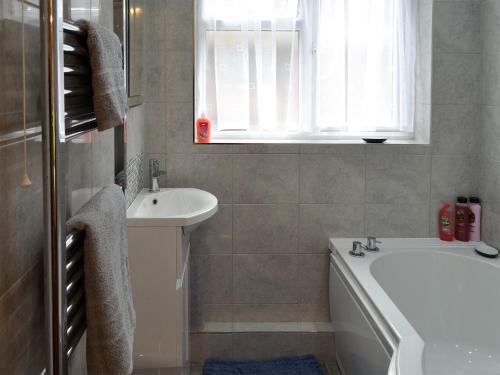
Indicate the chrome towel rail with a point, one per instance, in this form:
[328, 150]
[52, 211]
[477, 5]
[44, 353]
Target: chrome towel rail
[75, 291]
[80, 116]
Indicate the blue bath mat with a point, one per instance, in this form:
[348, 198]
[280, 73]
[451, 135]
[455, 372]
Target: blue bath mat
[306, 365]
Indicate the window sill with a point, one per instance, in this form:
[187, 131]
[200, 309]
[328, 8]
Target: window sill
[235, 141]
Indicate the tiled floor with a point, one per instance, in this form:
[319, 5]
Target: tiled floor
[330, 369]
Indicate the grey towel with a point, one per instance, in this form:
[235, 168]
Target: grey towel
[109, 307]
[108, 82]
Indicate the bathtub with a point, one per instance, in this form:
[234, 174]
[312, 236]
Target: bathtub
[419, 306]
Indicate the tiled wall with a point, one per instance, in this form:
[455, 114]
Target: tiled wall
[456, 120]
[263, 257]
[22, 349]
[490, 177]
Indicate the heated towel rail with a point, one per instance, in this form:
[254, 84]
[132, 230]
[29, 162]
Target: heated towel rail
[79, 109]
[68, 113]
[75, 291]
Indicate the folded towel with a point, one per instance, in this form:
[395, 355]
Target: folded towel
[109, 308]
[108, 82]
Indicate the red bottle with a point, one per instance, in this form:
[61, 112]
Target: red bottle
[462, 214]
[446, 225]
[203, 129]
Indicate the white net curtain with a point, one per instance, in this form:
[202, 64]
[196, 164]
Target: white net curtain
[306, 66]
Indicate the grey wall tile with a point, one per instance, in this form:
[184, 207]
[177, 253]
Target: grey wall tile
[335, 149]
[210, 346]
[490, 26]
[313, 278]
[154, 90]
[397, 220]
[179, 25]
[266, 178]
[260, 148]
[215, 236]
[154, 127]
[490, 181]
[320, 222]
[458, 26]
[453, 176]
[405, 179]
[332, 179]
[179, 76]
[491, 81]
[154, 25]
[261, 279]
[266, 228]
[208, 172]
[204, 317]
[211, 279]
[491, 223]
[395, 150]
[457, 78]
[490, 141]
[456, 129]
[314, 313]
[180, 127]
[266, 313]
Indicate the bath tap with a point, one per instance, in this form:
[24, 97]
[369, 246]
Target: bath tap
[357, 249]
[371, 244]
[154, 175]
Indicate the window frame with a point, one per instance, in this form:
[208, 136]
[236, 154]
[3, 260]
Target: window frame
[307, 91]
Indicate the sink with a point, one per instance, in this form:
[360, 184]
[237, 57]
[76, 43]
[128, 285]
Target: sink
[183, 207]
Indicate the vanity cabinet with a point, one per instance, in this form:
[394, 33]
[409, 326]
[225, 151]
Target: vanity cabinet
[159, 268]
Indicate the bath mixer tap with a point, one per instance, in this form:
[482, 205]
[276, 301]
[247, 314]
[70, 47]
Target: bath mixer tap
[371, 244]
[154, 175]
[357, 249]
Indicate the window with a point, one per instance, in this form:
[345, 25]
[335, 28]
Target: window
[306, 70]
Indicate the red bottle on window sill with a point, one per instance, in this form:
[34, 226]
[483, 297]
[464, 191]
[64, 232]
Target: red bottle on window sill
[203, 129]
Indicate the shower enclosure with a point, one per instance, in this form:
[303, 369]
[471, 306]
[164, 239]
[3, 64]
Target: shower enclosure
[78, 162]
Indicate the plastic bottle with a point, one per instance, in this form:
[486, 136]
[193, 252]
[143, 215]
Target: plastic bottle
[462, 213]
[475, 219]
[203, 129]
[446, 227]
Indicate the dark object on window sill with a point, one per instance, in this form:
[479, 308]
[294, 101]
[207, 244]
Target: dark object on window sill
[374, 140]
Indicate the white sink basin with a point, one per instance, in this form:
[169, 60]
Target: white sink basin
[171, 208]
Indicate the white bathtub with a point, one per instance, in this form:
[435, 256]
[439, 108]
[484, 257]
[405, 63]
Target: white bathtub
[419, 306]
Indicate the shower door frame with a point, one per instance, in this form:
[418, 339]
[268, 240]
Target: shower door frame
[54, 176]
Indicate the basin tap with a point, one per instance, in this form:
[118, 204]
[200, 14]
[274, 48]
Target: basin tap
[154, 175]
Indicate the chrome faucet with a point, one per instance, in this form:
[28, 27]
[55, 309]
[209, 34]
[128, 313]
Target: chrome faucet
[371, 244]
[154, 175]
[357, 249]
